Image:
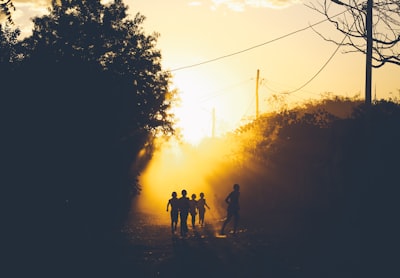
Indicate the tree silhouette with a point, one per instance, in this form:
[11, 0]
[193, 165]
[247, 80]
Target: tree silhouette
[371, 28]
[8, 42]
[85, 96]
[307, 168]
[386, 22]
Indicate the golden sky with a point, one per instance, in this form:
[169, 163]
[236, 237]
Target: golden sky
[194, 32]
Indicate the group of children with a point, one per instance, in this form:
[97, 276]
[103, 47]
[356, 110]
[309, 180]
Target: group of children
[184, 206]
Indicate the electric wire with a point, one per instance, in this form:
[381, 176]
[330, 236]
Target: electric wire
[253, 47]
[325, 64]
[268, 42]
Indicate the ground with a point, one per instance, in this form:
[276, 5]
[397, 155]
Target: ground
[153, 251]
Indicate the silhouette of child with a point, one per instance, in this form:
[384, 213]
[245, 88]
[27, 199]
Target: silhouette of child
[193, 210]
[201, 207]
[173, 202]
[183, 212]
[233, 208]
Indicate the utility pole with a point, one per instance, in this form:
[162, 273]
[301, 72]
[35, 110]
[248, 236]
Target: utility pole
[257, 82]
[368, 64]
[368, 60]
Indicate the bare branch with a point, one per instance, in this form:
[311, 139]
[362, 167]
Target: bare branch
[352, 23]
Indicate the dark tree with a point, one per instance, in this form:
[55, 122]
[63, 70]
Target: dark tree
[8, 43]
[87, 95]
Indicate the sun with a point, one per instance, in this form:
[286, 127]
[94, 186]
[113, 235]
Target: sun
[194, 118]
[193, 122]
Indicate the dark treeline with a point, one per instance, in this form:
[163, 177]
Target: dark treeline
[81, 97]
[324, 178]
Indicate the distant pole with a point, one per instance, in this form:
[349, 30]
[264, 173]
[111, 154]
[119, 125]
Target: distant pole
[368, 64]
[257, 82]
[213, 123]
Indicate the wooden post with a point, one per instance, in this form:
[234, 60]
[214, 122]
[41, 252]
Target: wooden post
[257, 82]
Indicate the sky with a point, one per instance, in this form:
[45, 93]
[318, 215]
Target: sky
[214, 48]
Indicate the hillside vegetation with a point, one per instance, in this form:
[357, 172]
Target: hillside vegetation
[324, 175]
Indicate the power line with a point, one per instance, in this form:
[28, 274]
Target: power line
[324, 65]
[318, 72]
[253, 47]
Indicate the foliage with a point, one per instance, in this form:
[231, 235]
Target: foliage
[308, 173]
[8, 42]
[95, 33]
[263, 134]
[85, 97]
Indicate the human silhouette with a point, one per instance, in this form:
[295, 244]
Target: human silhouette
[233, 208]
[201, 207]
[173, 202]
[183, 212]
[193, 210]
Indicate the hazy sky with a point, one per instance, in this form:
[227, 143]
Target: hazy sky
[193, 32]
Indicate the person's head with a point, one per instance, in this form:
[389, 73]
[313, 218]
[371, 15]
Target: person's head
[236, 187]
[201, 195]
[184, 193]
[174, 194]
[193, 196]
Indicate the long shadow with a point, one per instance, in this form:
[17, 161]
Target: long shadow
[205, 255]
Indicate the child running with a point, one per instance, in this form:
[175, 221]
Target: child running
[193, 210]
[184, 206]
[201, 207]
[173, 202]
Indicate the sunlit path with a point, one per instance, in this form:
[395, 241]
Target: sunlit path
[159, 223]
[154, 252]
[174, 167]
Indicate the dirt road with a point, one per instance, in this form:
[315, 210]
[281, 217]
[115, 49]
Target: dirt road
[253, 252]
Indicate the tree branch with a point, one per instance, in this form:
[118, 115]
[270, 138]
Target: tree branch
[386, 27]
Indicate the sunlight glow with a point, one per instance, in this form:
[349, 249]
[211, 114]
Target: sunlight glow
[191, 122]
[175, 167]
[32, 9]
[193, 118]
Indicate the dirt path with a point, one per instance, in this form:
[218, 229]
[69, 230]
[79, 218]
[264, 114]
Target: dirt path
[154, 252]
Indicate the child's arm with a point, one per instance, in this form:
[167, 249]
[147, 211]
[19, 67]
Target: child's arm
[228, 199]
[169, 202]
[206, 204]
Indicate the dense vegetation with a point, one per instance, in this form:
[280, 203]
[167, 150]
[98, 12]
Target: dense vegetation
[324, 176]
[82, 97]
